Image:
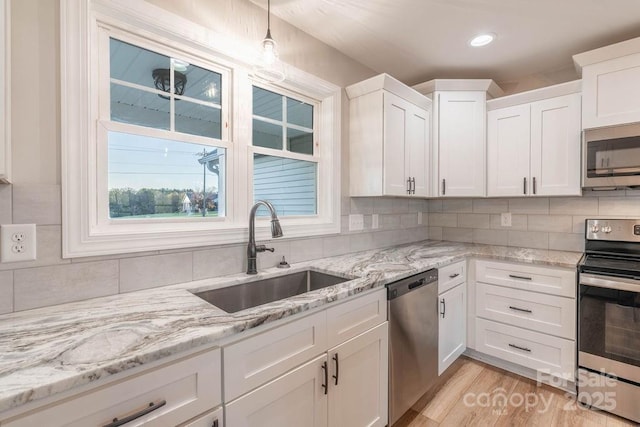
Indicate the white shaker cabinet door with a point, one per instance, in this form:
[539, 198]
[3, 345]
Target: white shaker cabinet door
[396, 114]
[452, 326]
[555, 146]
[417, 148]
[461, 143]
[295, 399]
[359, 380]
[508, 137]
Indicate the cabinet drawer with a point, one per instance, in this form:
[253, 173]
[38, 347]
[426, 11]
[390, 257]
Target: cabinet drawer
[260, 358]
[548, 314]
[533, 350]
[451, 276]
[352, 318]
[189, 387]
[547, 280]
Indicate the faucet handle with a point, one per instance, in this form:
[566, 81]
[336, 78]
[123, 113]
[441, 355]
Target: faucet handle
[262, 248]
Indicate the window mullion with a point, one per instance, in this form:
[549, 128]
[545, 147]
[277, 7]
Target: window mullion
[172, 98]
[284, 123]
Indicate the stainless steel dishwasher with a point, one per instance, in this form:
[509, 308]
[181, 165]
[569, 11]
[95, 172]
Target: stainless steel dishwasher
[412, 305]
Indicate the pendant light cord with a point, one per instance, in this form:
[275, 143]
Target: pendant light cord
[269, 15]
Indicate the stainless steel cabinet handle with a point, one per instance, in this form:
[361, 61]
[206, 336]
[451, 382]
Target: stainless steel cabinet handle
[215, 423]
[513, 276]
[520, 348]
[534, 185]
[524, 186]
[453, 276]
[524, 310]
[152, 406]
[409, 185]
[444, 307]
[444, 186]
[325, 383]
[335, 377]
[413, 185]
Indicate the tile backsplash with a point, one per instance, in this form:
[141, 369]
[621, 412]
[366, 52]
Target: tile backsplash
[544, 223]
[555, 223]
[51, 280]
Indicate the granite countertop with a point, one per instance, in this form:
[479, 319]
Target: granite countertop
[54, 349]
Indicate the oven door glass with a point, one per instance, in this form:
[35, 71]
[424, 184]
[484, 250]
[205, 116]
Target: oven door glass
[613, 157]
[609, 322]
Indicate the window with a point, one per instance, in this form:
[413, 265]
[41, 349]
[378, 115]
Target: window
[171, 176]
[284, 167]
[165, 143]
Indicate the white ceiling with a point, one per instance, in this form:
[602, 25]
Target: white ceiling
[418, 40]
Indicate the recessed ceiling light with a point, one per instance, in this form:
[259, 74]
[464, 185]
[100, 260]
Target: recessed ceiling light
[482, 39]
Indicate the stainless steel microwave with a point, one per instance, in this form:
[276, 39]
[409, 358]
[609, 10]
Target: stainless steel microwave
[611, 157]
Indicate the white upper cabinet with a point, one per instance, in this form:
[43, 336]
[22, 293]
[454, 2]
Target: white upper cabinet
[610, 84]
[459, 135]
[389, 139]
[533, 148]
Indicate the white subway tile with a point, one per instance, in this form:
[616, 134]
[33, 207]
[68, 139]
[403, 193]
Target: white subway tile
[219, 261]
[390, 222]
[153, 271]
[528, 239]
[490, 205]
[5, 204]
[490, 237]
[566, 242]
[37, 204]
[335, 245]
[619, 206]
[533, 205]
[574, 205]
[550, 223]
[409, 220]
[417, 205]
[473, 220]
[361, 205]
[400, 206]
[383, 205]
[434, 205]
[434, 233]
[387, 238]
[306, 250]
[443, 220]
[6, 292]
[457, 205]
[361, 242]
[44, 286]
[457, 234]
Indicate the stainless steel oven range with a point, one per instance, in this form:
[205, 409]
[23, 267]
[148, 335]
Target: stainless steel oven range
[609, 317]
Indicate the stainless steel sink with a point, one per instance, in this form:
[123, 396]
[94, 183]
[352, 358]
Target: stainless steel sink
[252, 294]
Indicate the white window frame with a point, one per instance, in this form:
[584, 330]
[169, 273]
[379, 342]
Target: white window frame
[86, 232]
[5, 92]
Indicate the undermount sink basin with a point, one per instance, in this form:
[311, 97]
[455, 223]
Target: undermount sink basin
[252, 294]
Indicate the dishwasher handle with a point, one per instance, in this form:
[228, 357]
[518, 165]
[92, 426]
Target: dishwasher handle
[411, 284]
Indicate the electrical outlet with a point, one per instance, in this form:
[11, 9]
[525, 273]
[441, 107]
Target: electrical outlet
[375, 222]
[505, 219]
[356, 222]
[17, 242]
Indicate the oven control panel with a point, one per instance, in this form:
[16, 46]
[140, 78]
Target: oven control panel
[622, 230]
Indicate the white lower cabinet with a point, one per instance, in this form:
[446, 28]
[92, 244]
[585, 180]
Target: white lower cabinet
[342, 386]
[168, 395]
[294, 399]
[358, 384]
[452, 313]
[452, 331]
[526, 314]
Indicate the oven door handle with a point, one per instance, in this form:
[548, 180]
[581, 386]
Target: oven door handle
[609, 282]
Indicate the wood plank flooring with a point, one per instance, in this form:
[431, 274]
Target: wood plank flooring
[478, 394]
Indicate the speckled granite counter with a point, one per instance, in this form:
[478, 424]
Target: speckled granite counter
[50, 350]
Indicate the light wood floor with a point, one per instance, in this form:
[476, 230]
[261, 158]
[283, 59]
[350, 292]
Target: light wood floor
[479, 384]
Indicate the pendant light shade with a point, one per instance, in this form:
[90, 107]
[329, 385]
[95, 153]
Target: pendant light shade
[268, 67]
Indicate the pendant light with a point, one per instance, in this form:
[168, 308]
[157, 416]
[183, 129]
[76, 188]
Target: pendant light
[268, 67]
